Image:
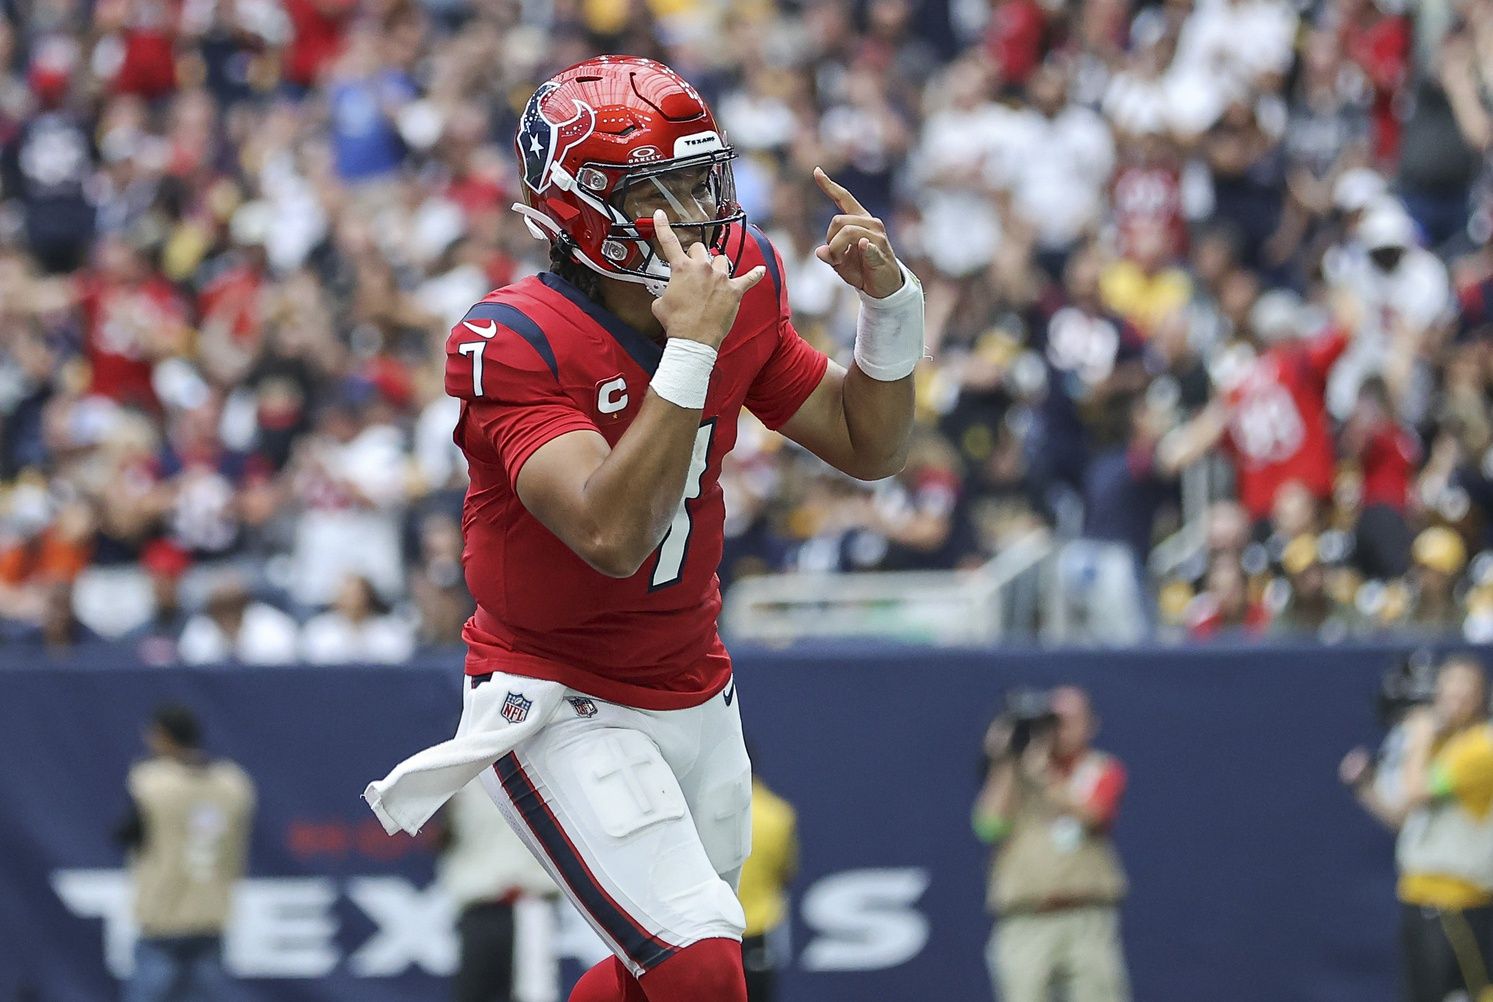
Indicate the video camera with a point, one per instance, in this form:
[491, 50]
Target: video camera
[1030, 714]
[1410, 682]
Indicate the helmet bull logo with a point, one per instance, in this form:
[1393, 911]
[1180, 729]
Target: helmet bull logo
[545, 142]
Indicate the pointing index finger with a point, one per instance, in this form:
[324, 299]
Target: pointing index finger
[667, 241]
[838, 194]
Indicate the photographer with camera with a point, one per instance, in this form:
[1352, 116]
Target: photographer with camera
[1433, 785]
[1047, 805]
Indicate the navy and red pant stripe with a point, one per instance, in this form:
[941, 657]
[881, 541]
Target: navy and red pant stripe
[642, 947]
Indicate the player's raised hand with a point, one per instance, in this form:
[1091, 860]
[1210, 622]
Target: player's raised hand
[702, 298]
[856, 245]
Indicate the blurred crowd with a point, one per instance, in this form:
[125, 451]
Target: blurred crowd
[1236, 243]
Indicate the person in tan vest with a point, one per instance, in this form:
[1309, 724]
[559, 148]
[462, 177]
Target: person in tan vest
[1047, 806]
[187, 835]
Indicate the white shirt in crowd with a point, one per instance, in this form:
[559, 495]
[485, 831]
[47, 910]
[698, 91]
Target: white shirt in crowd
[1057, 169]
[961, 227]
[1406, 302]
[336, 536]
[266, 636]
[1223, 50]
[332, 638]
[437, 456]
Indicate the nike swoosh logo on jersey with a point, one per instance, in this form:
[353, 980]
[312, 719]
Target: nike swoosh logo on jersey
[730, 693]
[488, 331]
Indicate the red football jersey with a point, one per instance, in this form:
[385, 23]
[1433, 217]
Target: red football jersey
[116, 318]
[1278, 428]
[1149, 195]
[536, 360]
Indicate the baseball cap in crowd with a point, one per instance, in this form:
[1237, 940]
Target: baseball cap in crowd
[1386, 225]
[1440, 549]
[164, 558]
[1276, 316]
[53, 59]
[250, 224]
[1357, 189]
[1299, 554]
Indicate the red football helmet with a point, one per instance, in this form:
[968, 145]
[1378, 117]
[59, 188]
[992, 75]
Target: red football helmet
[604, 143]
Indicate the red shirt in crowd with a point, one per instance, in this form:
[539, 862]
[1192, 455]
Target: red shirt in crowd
[1014, 38]
[147, 65]
[232, 298]
[1144, 196]
[1278, 427]
[120, 320]
[1381, 49]
[1388, 461]
[317, 30]
[1207, 618]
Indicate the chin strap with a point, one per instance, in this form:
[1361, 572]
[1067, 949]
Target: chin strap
[542, 227]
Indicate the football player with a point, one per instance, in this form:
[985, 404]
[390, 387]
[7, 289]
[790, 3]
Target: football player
[598, 400]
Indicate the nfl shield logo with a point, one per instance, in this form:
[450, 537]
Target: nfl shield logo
[583, 706]
[516, 707]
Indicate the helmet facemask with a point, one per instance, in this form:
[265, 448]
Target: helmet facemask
[697, 193]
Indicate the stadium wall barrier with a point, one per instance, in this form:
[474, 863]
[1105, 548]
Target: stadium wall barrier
[1255, 877]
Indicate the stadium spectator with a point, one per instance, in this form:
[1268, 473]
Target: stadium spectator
[1399, 295]
[765, 877]
[1438, 165]
[358, 627]
[1301, 603]
[1092, 357]
[438, 589]
[1386, 453]
[921, 514]
[48, 160]
[187, 835]
[57, 632]
[232, 626]
[1061, 161]
[348, 479]
[1225, 608]
[1104, 571]
[1438, 798]
[1145, 286]
[155, 639]
[41, 549]
[1056, 883]
[1438, 556]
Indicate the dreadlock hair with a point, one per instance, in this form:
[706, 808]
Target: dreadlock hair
[577, 274]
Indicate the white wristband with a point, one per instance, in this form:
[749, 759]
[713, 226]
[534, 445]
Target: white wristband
[889, 332]
[683, 374]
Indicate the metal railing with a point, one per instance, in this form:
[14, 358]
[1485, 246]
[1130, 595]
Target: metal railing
[1200, 485]
[998, 599]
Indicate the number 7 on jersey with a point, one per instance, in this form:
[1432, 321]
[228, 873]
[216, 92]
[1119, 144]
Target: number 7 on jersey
[474, 349]
[670, 566]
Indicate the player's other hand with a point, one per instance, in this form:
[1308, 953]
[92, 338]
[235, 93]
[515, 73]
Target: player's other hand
[856, 245]
[702, 298]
